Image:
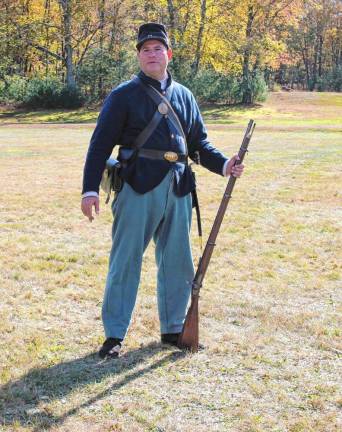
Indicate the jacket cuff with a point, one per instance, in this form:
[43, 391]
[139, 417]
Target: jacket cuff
[224, 169]
[89, 194]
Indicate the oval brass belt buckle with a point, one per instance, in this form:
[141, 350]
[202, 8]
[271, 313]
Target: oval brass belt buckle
[171, 156]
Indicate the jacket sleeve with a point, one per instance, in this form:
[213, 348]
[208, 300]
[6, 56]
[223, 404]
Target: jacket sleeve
[106, 135]
[210, 157]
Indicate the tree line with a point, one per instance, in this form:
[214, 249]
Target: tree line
[70, 51]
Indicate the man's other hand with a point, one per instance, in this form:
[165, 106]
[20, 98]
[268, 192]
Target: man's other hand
[87, 206]
[232, 169]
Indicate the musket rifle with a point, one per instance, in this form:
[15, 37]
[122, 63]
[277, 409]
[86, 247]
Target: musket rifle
[188, 339]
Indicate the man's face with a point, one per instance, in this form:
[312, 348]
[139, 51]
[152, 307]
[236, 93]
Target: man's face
[153, 59]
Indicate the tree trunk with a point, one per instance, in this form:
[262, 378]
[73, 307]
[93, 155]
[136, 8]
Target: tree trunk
[102, 22]
[47, 34]
[67, 24]
[305, 57]
[172, 25]
[317, 66]
[320, 55]
[198, 52]
[314, 69]
[115, 7]
[246, 85]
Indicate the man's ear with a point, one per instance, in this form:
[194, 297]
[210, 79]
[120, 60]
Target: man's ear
[169, 53]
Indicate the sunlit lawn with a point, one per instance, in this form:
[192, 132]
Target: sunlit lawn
[270, 307]
[297, 109]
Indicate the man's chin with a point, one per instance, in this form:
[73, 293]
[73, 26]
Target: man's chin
[153, 68]
[154, 73]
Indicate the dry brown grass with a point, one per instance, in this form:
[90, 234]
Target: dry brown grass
[270, 307]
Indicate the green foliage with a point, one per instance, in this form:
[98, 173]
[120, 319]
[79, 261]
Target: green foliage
[100, 72]
[13, 89]
[253, 88]
[211, 86]
[208, 85]
[70, 97]
[258, 87]
[332, 81]
[42, 93]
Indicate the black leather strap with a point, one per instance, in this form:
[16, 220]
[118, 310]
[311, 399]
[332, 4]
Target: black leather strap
[162, 155]
[158, 99]
[147, 132]
[171, 113]
[150, 128]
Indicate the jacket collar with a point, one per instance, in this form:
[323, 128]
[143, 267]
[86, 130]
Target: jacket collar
[155, 83]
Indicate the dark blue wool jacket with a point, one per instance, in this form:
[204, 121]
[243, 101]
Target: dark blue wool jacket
[125, 113]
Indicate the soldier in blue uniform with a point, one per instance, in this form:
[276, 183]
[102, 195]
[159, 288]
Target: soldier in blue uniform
[155, 201]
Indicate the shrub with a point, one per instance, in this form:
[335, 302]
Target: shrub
[3, 98]
[208, 85]
[331, 81]
[100, 72]
[253, 89]
[71, 97]
[13, 89]
[259, 87]
[42, 93]
[51, 93]
[211, 86]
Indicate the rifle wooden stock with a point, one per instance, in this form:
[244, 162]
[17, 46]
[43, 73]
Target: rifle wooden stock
[189, 336]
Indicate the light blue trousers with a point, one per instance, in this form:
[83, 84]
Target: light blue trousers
[137, 218]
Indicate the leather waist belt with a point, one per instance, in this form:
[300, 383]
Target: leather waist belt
[163, 155]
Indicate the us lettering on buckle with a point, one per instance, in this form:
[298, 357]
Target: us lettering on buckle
[171, 156]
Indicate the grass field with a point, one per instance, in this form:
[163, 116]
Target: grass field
[270, 307]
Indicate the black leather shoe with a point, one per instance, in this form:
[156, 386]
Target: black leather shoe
[170, 338]
[110, 348]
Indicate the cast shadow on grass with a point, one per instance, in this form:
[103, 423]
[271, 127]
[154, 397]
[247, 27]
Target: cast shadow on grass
[53, 116]
[228, 114]
[20, 400]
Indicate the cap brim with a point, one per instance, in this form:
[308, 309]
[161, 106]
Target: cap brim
[142, 41]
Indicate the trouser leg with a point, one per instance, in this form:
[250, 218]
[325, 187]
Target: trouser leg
[175, 264]
[136, 217]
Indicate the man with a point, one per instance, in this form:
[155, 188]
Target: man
[155, 201]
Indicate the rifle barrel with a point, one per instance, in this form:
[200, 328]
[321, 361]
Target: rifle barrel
[208, 250]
